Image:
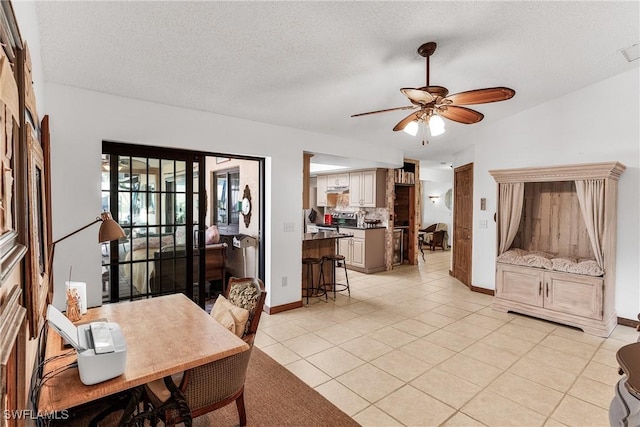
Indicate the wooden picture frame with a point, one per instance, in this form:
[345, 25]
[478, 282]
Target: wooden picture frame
[11, 250]
[37, 266]
[12, 353]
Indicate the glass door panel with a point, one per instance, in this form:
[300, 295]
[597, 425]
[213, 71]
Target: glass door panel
[153, 198]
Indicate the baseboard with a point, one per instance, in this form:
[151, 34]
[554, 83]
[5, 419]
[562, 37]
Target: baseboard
[483, 290]
[281, 308]
[628, 322]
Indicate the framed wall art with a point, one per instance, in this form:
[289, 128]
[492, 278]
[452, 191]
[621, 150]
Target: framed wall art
[37, 265]
[11, 251]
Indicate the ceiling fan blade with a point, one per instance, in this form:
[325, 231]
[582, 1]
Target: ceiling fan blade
[404, 122]
[480, 96]
[417, 96]
[408, 107]
[460, 114]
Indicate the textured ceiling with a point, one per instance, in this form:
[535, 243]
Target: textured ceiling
[310, 65]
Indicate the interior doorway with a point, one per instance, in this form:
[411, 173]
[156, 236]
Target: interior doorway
[463, 223]
[185, 231]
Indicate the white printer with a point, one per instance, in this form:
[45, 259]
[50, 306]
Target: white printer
[101, 347]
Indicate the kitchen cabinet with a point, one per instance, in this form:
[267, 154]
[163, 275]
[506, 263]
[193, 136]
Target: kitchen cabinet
[338, 180]
[321, 196]
[353, 250]
[575, 299]
[364, 252]
[367, 188]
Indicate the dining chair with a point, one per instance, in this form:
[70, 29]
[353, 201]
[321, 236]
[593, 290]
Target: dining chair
[216, 384]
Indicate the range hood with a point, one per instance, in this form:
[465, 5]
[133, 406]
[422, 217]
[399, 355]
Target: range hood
[337, 190]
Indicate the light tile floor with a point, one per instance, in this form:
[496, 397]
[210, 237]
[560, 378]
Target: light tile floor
[415, 347]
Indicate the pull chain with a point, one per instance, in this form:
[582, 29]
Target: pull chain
[422, 129]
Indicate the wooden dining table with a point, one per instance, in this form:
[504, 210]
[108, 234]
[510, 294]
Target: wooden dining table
[164, 335]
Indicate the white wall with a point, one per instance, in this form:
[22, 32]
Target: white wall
[81, 119]
[435, 210]
[595, 124]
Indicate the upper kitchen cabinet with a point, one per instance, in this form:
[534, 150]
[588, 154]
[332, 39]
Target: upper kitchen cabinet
[367, 188]
[338, 180]
[322, 190]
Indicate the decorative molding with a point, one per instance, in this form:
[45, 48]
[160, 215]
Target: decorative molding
[605, 170]
[12, 317]
[11, 253]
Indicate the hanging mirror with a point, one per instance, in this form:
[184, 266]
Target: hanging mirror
[447, 198]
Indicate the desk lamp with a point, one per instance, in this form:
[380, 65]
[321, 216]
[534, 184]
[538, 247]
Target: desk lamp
[109, 230]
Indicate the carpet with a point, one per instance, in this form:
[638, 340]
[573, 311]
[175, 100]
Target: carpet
[273, 396]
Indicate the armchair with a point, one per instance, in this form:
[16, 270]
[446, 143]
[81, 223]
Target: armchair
[219, 383]
[436, 235]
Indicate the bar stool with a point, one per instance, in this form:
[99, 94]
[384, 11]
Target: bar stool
[336, 260]
[310, 290]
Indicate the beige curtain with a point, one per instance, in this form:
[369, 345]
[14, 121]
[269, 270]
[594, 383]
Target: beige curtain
[591, 197]
[511, 199]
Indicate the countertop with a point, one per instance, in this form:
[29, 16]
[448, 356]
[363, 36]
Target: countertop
[362, 228]
[322, 235]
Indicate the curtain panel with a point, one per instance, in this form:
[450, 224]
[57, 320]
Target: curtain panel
[511, 201]
[590, 194]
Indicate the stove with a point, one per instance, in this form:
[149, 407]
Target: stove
[344, 218]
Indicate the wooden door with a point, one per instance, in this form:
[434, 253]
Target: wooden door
[463, 223]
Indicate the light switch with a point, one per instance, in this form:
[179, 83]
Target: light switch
[483, 223]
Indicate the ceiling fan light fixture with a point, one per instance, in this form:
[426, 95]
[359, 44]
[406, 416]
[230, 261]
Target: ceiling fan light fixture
[411, 128]
[436, 125]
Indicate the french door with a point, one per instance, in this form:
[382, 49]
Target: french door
[154, 194]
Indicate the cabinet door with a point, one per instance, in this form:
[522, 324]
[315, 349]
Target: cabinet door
[342, 180]
[322, 190]
[355, 198]
[357, 252]
[344, 249]
[574, 294]
[519, 284]
[368, 189]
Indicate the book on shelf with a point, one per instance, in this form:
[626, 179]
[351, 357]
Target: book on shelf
[404, 177]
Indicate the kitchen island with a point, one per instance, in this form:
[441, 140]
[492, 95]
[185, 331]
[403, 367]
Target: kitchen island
[317, 245]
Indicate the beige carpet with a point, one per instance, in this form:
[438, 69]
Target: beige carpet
[273, 396]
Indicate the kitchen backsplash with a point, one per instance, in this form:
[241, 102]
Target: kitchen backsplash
[381, 214]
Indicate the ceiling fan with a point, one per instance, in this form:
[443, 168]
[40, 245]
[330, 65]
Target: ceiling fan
[434, 102]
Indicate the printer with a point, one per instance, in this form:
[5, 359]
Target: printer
[101, 347]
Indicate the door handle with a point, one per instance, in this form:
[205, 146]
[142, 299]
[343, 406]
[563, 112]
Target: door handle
[540, 287]
[547, 284]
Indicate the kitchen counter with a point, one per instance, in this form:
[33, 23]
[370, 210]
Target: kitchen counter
[363, 228]
[323, 235]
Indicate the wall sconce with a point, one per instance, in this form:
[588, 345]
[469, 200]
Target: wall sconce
[434, 198]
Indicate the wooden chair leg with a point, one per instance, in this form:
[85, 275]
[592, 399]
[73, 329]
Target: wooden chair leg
[241, 412]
